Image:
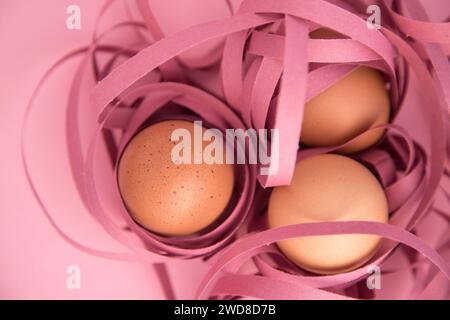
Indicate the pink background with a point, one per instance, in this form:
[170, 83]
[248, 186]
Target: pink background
[33, 258]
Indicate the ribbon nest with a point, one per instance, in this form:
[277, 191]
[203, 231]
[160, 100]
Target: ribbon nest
[259, 75]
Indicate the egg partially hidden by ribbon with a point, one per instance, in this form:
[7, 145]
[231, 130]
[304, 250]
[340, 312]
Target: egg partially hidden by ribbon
[169, 198]
[329, 187]
[349, 107]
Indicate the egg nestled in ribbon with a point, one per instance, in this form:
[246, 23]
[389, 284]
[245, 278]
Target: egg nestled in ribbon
[324, 188]
[357, 102]
[166, 196]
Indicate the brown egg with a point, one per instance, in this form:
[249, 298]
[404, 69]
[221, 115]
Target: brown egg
[349, 107]
[167, 198]
[325, 33]
[329, 187]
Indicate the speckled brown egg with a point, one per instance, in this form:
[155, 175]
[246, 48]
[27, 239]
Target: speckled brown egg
[329, 187]
[168, 198]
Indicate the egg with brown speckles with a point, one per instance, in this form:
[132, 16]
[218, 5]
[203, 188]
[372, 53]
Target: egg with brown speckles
[168, 198]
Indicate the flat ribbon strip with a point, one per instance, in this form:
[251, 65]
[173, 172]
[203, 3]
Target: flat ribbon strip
[244, 248]
[289, 116]
[421, 30]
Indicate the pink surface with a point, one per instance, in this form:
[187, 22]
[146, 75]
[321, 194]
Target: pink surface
[33, 257]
